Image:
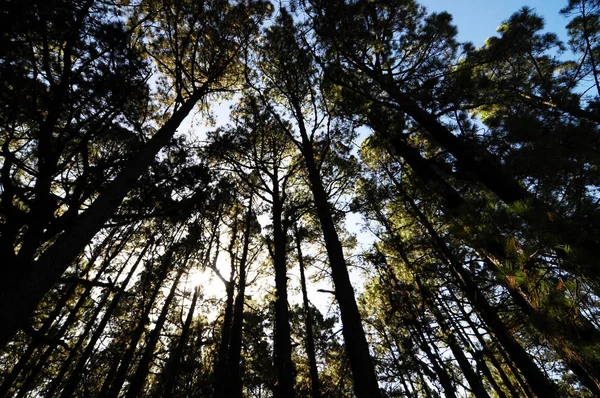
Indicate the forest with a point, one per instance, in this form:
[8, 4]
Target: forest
[385, 212]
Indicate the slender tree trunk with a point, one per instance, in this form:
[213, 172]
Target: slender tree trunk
[75, 376]
[486, 351]
[233, 388]
[138, 380]
[423, 329]
[309, 339]
[363, 371]
[283, 340]
[118, 373]
[438, 367]
[525, 387]
[172, 370]
[481, 366]
[221, 362]
[474, 381]
[20, 300]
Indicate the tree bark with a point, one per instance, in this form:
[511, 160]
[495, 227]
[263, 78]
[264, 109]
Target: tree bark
[363, 371]
[75, 376]
[138, 380]
[118, 373]
[309, 338]
[474, 381]
[21, 299]
[233, 388]
[283, 340]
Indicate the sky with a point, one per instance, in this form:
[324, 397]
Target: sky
[478, 19]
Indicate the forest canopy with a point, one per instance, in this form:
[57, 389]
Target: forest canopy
[144, 255]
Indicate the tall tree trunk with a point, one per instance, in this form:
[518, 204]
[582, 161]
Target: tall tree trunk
[473, 379]
[309, 338]
[421, 329]
[438, 367]
[172, 369]
[233, 388]
[118, 372]
[542, 386]
[75, 376]
[283, 340]
[20, 300]
[486, 351]
[137, 382]
[355, 341]
[220, 380]
[481, 365]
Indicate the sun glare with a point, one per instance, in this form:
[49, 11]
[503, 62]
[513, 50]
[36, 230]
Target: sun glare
[198, 278]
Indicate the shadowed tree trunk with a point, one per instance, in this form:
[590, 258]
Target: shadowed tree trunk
[309, 338]
[75, 376]
[138, 380]
[19, 301]
[473, 379]
[283, 341]
[363, 371]
[118, 372]
[221, 362]
[172, 369]
[233, 389]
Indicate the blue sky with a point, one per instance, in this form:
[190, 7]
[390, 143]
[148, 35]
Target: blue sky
[478, 19]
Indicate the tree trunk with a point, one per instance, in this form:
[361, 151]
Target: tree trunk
[75, 376]
[221, 362]
[309, 338]
[486, 351]
[438, 367]
[233, 388]
[481, 365]
[118, 373]
[283, 340]
[355, 341]
[172, 370]
[21, 299]
[138, 380]
[473, 379]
